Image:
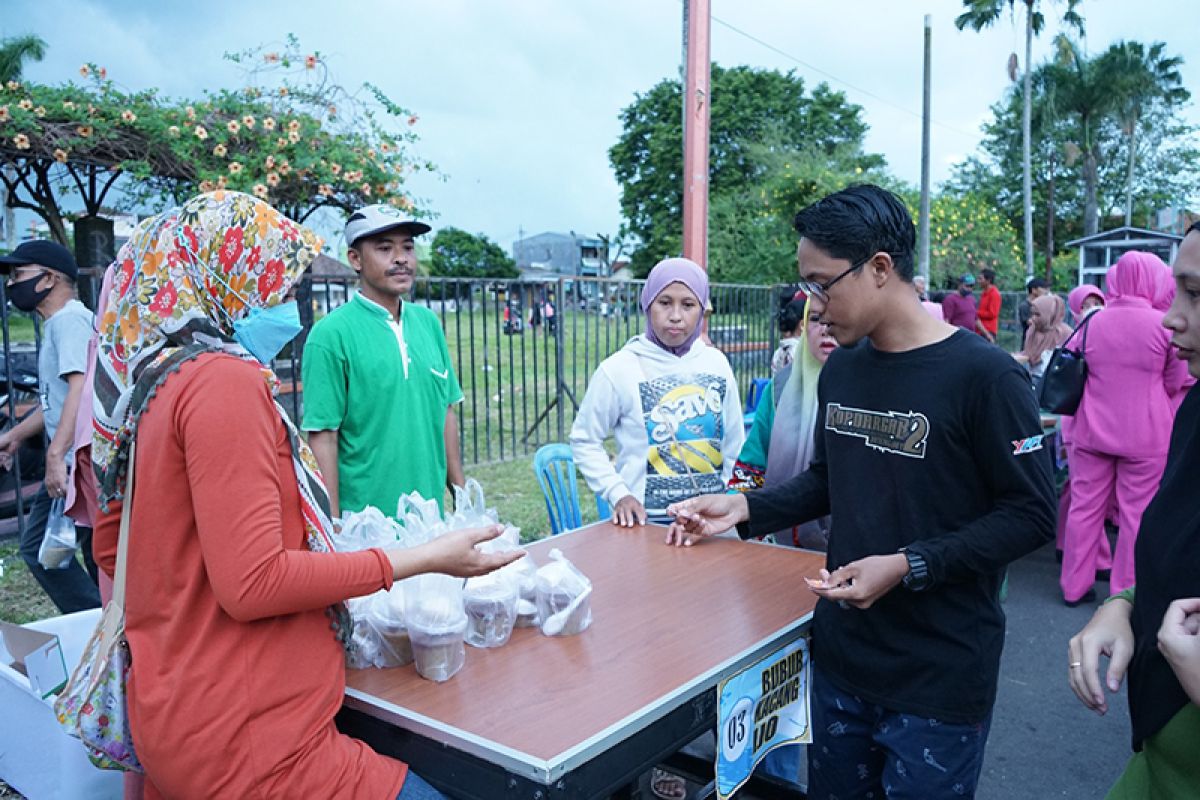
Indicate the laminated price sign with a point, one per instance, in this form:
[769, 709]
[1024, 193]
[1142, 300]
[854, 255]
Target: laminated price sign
[759, 709]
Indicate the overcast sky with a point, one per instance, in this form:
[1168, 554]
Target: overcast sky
[519, 99]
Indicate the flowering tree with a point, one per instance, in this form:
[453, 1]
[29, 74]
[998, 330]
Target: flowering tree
[290, 136]
[968, 234]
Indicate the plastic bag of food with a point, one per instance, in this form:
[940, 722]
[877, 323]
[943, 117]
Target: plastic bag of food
[490, 602]
[522, 573]
[380, 636]
[365, 529]
[563, 597]
[386, 615]
[420, 518]
[58, 544]
[470, 509]
[436, 624]
[365, 649]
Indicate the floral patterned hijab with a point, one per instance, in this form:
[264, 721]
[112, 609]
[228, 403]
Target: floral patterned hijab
[179, 284]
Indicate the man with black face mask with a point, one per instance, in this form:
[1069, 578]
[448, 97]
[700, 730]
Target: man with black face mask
[41, 279]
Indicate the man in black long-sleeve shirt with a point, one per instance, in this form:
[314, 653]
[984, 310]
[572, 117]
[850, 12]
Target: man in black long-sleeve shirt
[929, 458]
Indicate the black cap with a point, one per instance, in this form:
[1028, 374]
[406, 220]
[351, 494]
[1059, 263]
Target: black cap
[43, 253]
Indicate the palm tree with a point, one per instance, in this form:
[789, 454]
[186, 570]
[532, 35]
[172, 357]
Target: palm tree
[1085, 91]
[980, 14]
[14, 52]
[1140, 78]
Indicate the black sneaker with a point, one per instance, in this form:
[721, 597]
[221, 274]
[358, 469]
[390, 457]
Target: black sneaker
[1088, 597]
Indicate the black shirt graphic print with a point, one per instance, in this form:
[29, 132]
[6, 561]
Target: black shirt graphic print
[938, 450]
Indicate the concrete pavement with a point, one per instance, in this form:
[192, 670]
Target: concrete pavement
[1044, 743]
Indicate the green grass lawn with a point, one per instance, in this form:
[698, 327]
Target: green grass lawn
[511, 488]
[20, 327]
[510, 381]
[21, 599]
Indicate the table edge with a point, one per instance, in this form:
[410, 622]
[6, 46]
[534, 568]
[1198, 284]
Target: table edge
[546, 771]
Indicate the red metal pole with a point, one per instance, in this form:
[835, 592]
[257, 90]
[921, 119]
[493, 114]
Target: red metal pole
[697, 25]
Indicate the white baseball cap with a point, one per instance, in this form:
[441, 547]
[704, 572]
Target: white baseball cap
[370, 220]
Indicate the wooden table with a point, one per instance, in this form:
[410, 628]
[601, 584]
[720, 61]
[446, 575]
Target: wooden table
[582, 716]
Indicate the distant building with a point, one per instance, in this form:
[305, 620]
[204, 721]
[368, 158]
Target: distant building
[332, 283]
[1174, 220]
[1101, 250]
[550, 256]
[561, 255]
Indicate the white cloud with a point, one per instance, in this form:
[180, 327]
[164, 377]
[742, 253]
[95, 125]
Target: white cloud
[518, 100]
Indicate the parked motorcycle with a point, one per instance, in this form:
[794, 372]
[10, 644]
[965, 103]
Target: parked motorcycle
[32, 452]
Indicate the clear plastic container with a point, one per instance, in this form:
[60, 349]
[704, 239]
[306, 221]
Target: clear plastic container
[436, 624]
[439, 652]
[387, 617]
[491, 606]
[559, 583]
[552, 601]
[527, 613]
[395, 644]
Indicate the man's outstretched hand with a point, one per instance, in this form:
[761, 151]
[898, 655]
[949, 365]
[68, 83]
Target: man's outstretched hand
[703, 516]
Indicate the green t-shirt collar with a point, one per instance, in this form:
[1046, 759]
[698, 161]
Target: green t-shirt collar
[377, 309]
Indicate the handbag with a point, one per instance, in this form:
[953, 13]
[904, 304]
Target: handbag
[93, 705]
[1065, 376]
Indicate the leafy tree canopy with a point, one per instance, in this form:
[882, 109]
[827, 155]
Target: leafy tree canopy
[751, 109]
[290, 136]
[1167, 156]
[458, 254]
[751, 238]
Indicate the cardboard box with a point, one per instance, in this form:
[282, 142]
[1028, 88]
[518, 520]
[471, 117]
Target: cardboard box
[37, 757]
[36, 655]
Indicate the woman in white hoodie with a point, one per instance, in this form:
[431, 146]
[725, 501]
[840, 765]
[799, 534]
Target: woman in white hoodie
[670, 400]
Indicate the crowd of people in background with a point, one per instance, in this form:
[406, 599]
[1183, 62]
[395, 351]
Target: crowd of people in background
[1113, 458]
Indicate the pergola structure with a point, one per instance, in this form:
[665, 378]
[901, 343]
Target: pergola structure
[33, 174]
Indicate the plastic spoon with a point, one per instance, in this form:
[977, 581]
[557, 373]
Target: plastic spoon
[555, 623]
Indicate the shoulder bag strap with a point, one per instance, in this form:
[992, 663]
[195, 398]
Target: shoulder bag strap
[1082, 327]
[118, 592]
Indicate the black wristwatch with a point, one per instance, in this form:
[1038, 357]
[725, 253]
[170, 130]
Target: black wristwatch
[917, 579]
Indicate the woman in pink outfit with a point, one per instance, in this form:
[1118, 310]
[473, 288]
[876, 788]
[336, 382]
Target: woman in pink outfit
[1083, 301]
[1121, 430]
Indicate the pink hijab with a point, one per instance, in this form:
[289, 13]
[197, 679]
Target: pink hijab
[1079, 294]
[1136, 279]
[1164, 295]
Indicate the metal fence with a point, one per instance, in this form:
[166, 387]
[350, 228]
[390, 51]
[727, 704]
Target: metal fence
[523, 374]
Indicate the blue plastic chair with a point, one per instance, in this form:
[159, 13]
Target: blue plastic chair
[754, 396]
[758, 387]
[555, 469]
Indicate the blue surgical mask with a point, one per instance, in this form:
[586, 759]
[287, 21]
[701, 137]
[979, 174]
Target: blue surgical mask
[264, 331]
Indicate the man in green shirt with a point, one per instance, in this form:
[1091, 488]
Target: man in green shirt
[379, 387]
